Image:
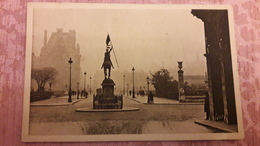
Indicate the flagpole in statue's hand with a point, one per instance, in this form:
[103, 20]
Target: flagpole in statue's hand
[115, 57]
[111, 48]
[107, 41]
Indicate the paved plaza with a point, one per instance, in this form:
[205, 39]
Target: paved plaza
[165, 116]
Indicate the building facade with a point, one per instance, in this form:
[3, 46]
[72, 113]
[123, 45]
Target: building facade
[56, 53]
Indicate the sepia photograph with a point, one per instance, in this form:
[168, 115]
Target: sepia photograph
[121, 72]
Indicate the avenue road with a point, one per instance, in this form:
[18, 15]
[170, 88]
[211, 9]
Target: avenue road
[150, 119]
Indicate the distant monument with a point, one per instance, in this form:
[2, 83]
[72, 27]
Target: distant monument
[105, 98]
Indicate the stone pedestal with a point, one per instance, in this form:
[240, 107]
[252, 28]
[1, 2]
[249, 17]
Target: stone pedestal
[107, 99]
[108, 91]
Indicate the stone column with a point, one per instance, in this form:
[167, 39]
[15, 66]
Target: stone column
[181, 82]
[219, 64]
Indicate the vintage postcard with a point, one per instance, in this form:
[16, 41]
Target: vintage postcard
[120, 72]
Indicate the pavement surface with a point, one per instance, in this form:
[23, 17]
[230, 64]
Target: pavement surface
[150, 119]
[63, 101]
[107, 110]
[56, 101]
[218, 125]
[162, 101]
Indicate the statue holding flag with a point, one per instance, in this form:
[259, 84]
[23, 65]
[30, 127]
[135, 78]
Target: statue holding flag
[107, 64]
[106, 98]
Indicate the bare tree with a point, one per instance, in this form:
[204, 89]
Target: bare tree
[41, 76]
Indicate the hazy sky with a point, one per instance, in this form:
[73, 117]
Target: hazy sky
[147, 39]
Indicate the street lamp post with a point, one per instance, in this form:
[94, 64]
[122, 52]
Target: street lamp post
[70, 100]
[133, 69]
[147, 78]
[124, 85]
[78, 90]
[84, 94]
[90, 86]
[127, 86]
